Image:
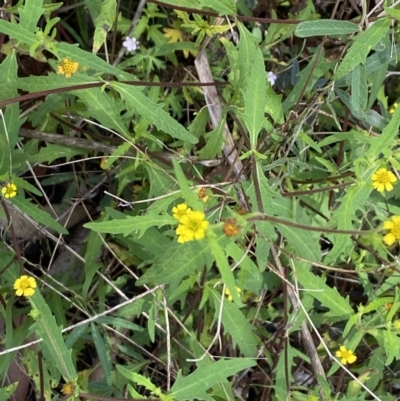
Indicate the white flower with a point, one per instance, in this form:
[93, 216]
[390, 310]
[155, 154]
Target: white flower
[130, 44]
[271, 77]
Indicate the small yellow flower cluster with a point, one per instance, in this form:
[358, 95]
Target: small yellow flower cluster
[192, 224]
[68, 389]
[346, 355]
[9, 190]
[383, 179]
[25, 286]
[393, 108]
[67, 68]
[228, 293]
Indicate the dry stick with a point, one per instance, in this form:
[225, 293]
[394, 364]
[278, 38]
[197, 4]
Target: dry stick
[215, 110]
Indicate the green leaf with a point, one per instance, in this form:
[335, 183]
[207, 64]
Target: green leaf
[17, 32]
[329, 297]
[255, 98]
[89, 60]
[153, 112]
[188, 194]
[224, 268]
[391, 342]
[317, 66]
[223, 7]
[359, 89]
[104, 108]
[325, 28]
[387, 139]
[102, 353]
[104, 23]
[130, 223]
[355, 197]
[47, 329]
[39, 215]
[53, 81]
[185, 258]
[237, 326]
[246, 54]
[195, 385]
[363, 44]
[307, 246]
[213, 141]
[30, 14]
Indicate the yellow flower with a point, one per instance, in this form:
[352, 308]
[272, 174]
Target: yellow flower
[228, 293]
[394, 228]
[192, 226]
[67, 68]
[393, 108]
[347, 355]
[382, 180]
[68, 388]
[181, 210]
[25, 286]
[9, 191]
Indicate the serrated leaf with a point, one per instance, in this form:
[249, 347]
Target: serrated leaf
[359, 89]
[362, 45]
[39, 215]
[325, 28]
[47, 329]
[391, 343]
[387, 138]
[53, 81]
[89, 60]
[103, 108]
[329, 297]
[104, 23]
[130, 224]
[246, 54]
[185, 258]
[223, 7]
[355, 197]
[237, 326]
[30, 14]
[195, 385]
[17, 32]
[307, 246]
[255, 98]
[153, 112]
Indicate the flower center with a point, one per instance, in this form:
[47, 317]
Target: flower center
[194, 225]
[24, 284]
[383, 177]
[68, 66]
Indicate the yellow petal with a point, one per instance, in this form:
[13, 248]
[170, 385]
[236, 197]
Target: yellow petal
[389, 239]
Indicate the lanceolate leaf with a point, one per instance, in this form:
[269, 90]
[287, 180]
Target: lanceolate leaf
[255, 98]
[325, 28]
[359, 88]
[237, 326]
[363, 44]
[153, 112]
[195, 385]
[329, 297]
[46, 328]
[130, 224]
